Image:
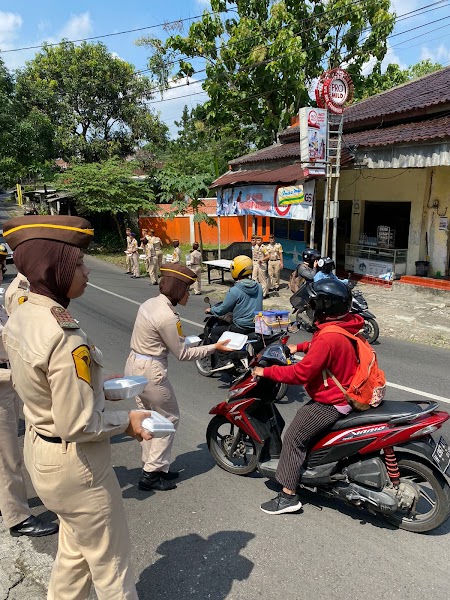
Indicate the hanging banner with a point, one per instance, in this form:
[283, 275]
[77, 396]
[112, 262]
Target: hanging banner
[313, 135]
[292, 202]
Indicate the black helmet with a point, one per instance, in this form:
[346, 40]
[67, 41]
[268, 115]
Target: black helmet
[329, 298]
[309, 255]
[325, 264]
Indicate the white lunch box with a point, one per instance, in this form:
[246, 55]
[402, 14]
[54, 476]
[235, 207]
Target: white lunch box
[124, 387]
[158, 425]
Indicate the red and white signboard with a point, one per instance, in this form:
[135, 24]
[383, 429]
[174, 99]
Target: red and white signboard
[334, 90]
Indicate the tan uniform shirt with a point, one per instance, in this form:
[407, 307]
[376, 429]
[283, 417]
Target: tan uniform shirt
[275, 251]
[157, 244]
[176, 255]
[129, 240]
[195, 258]
[58, 374]
[17, 292]
[259, 252]
[157, 330]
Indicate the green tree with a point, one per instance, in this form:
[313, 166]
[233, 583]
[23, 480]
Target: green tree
[261, 56]
[26, 135]
[184, 188]
[107, 187]
[378, 82]
[95, 101]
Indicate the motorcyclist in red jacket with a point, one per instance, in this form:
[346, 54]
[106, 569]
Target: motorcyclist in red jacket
[330, 301]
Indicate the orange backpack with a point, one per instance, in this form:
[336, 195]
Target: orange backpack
[368, 386]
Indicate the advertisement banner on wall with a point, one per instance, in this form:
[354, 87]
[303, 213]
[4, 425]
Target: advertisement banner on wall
[313, 135]
[267, 201]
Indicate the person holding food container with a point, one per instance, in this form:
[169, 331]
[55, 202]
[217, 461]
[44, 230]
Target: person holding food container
[157, 331]
[57, 372]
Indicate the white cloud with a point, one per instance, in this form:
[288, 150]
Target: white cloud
[174, 100]
[10, 23]
[203, 3]
[404, 6]
[440, 54]
[77, 27]
[392, 58]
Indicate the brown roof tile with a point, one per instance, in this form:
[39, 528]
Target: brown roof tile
[274, 152]
[288, 174]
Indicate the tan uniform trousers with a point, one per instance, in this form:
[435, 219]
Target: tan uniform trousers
[274, 273]
[259, 274]
[129, 261]
[158, 396]
[135, 264]
[159, 256]
[153, 269]
[77, 482]
[197, 287]
[13, 494]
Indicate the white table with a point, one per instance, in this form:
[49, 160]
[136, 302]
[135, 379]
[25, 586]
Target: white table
[220, 265]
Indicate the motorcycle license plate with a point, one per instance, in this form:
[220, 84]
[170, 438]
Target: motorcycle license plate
[441, 455]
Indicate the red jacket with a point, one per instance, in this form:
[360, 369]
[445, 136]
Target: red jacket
[332, 351]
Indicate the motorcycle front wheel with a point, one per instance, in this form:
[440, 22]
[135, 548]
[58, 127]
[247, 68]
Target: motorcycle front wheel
[220, 436]
[433, 506]
[281, 392]
[205, 366]
[371, 330]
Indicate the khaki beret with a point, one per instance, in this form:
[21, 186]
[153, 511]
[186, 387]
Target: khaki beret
[75, 231]
[178, 272]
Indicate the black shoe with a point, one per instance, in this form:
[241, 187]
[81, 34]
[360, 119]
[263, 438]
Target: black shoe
[283, 503]
[170, 475]
[155, 481]
[156, 283]
[34, 527]
[127, 273]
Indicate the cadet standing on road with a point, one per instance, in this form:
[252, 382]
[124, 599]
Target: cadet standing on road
[260, 260]
[57, 372]
[134, 257]
[13, 494]
[176, 254]
[195, 265]
[128, 252]
[157, 331]
[157, 245]
[275, 263]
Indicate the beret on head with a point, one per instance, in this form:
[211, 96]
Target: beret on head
[74, 231]
[178, 272]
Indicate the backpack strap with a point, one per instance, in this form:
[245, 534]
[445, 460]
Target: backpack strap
[326, 372]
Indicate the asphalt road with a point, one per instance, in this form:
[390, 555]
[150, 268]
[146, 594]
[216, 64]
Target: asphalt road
[208, 538]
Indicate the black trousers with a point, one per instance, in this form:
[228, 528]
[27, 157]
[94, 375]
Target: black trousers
[309, 421]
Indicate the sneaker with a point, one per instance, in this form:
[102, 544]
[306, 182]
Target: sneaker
[283, 503]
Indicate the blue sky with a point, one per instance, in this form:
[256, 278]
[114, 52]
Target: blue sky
[30, 22]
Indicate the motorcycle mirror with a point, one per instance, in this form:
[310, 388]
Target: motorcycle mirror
[206, 300]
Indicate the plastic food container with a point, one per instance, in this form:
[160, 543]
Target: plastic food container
[158, 425]
[269, 322]
[192, 340]
[124, 387]
[237, 340]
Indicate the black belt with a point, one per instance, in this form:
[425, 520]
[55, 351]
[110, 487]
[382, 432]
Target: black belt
[52, 440]
[4, 365]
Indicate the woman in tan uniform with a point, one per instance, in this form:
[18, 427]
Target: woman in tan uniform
[157, 331]
[57, 372]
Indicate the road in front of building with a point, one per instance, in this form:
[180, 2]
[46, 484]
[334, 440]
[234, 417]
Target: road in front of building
[208, 538]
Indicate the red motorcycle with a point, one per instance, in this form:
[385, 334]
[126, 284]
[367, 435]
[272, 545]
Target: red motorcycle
[383, 459]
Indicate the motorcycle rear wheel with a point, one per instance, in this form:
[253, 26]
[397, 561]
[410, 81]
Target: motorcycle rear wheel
[371, 330]
[220, 436]
[433, 506]
[204, 366]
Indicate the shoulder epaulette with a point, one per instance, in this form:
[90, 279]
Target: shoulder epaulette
[64, 318]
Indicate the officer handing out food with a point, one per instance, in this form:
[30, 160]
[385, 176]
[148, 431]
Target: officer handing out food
[57, 372]
[157, 331]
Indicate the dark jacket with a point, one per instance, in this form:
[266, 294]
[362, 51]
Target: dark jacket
[243, 300]
[305, 271]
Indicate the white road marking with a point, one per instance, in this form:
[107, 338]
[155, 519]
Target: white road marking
[135, 302]
[388, 383]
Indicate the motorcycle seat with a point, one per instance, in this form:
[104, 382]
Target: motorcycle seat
[388, 410]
